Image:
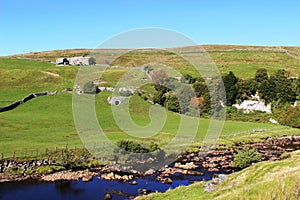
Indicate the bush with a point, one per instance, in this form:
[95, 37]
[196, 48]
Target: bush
[132, 146]
[245, 157]
[135, 147]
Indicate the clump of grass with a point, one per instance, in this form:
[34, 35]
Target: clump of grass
[285, 155]
[49, 169]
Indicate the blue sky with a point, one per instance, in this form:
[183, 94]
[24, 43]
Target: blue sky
[38, 25]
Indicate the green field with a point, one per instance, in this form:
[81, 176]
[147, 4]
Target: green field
[47, 122]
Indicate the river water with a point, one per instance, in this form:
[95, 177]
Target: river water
[95, 189]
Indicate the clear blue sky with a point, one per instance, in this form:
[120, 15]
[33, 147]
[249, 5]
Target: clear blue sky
[37, 25]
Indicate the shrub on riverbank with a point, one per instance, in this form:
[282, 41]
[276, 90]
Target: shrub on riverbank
[246, 157]
[135, 147]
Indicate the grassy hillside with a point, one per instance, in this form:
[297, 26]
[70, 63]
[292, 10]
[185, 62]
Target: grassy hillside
[242, 60]
[29, 74]
[47, 122]
[265, 180]
[243, 63]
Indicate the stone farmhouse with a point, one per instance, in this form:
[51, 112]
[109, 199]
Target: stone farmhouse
[76, 61]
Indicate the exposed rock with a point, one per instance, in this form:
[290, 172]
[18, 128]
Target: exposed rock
[143, 192]
[86, 175]
[107, 196]
[112, 176]
[134, 183]
[164, 180]
[186, 166]
[217, 180]
[149, 172]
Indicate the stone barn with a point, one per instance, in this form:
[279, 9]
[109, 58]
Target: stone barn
[76, 61]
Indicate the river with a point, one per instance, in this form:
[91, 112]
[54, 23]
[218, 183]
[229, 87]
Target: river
[95, 189]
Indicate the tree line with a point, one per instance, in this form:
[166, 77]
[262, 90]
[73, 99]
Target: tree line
[193, 94]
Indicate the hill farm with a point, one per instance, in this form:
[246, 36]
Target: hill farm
[43, 128]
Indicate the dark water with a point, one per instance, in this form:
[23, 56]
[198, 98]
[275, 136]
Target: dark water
[95, 189]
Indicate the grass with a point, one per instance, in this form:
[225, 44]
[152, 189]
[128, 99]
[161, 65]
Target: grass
[47, 122]
[245, 63]
[265, 180]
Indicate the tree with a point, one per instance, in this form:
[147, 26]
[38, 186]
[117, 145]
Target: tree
[207, 103]
[159, 98]
[92, 61]
[172, 103]
[245, 88]
[200, 89]
[90, 88]
[187, 78]
[261, 75]
[278, 88]
[230, 81]
[185, 94]
[159, 77]
[161, 88]
[267, 90]
[298, 86]
[286, 92]
[197, 103]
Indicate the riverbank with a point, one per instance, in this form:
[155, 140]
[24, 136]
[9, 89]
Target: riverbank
[264, 180]
[219, 160]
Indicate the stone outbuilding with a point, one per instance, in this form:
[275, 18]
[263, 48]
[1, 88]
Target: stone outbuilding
[116, 100]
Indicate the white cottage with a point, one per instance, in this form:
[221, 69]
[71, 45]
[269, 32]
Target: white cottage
[251, 105]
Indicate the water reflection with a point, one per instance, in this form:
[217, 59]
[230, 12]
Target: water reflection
[66, 187]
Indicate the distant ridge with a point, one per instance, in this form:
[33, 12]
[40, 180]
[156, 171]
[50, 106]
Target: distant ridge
[52, 55]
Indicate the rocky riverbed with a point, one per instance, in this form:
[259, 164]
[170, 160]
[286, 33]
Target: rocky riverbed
[216, 161]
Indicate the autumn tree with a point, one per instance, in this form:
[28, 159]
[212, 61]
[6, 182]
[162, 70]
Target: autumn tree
[159, 77]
